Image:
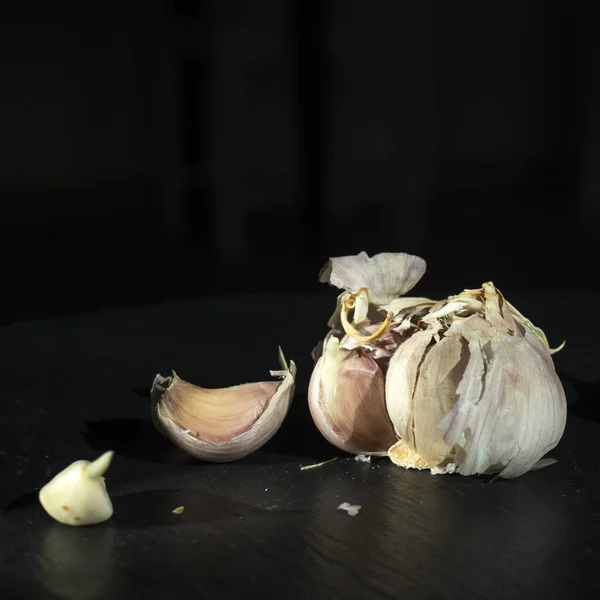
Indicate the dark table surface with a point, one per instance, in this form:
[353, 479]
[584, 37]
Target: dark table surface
[75, 387]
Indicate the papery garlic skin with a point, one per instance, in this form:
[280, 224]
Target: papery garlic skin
[512, 399]
[346, 401]
[77, 495]
[222, 425]
[387, 275]
[477, 391]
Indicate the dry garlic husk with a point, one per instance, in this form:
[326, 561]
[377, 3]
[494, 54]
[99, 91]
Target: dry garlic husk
[475, 391]
[222, 425]
[347, 387]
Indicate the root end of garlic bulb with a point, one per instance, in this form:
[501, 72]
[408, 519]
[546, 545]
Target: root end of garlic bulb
[400, 454]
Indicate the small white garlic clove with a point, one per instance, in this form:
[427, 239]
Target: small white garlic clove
[77, 495]
[222, 425]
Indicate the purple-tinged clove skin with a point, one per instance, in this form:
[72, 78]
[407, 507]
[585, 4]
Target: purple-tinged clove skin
[347, 401]
[222, 425]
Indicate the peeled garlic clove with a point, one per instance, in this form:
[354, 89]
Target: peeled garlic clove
[222, 425]
[77, 495]
[346, 400]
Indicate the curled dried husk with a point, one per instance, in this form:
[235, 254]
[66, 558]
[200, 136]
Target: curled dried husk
[387, 275]
[375, 283]
[372, 303]
[475, 391]
[222, 425]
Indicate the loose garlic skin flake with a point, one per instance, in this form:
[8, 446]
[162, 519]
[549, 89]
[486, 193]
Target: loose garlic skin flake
[77, 495]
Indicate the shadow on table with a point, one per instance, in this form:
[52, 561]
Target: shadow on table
[23, 501]
[139, 439]
[299, 437]
[154, 508]
[134, 438]
[586, 404]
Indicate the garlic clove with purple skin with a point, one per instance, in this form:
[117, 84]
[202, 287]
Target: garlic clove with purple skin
[222, 425]
[347, 403]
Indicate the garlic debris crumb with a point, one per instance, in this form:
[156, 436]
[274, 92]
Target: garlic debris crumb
[351, 509]
[325, 462]
[448, 469]
[77, 495]
[178, 510]
[362, 458]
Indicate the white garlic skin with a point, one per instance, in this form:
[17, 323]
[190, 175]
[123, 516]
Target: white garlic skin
[479, 392]
[77, 495]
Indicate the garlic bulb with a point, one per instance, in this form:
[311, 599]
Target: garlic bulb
[222, 425]
[470, 386]
[476, 390]
[77, 495]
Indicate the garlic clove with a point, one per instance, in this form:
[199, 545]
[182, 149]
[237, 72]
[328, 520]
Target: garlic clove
[434, 395]
[510, 408]
[77, 495]
[401, 379]
[222, 425]
[386, 275]
[346, 400]
[475, 392]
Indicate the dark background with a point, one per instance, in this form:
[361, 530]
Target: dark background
[159, 150]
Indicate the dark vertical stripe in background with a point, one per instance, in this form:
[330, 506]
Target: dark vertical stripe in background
[308, 30]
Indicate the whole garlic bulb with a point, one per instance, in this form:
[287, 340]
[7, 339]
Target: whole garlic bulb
[476, 389]
[470, 385]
